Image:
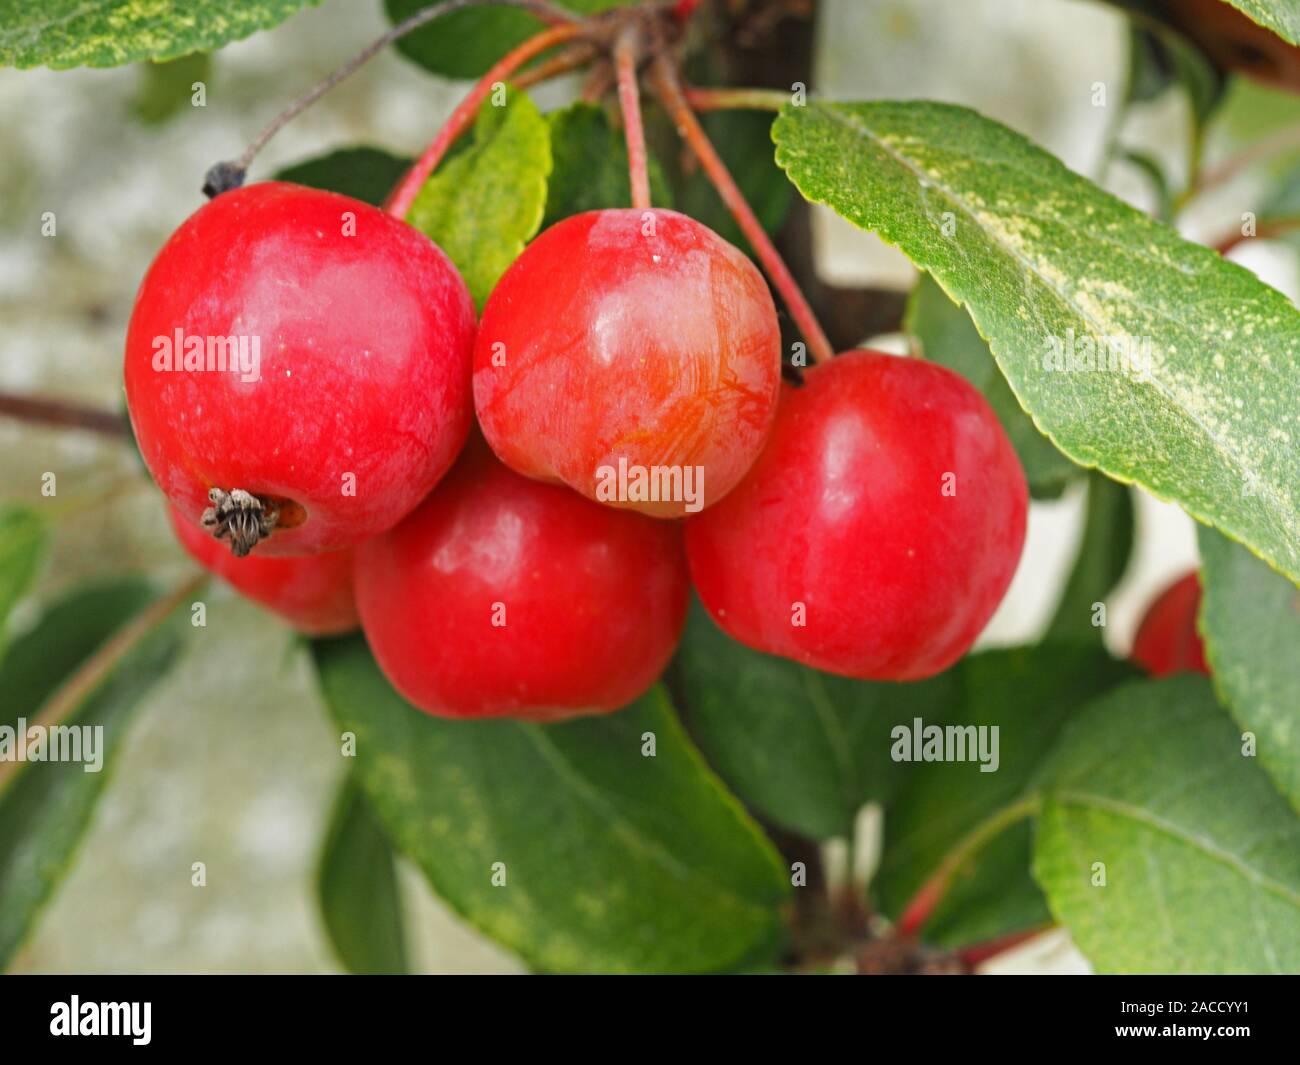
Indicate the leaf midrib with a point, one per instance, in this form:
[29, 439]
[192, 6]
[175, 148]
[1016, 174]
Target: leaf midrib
[836, 739]
[1137, 814]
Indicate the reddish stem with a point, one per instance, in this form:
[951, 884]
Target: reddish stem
[570, 59]
[932, 892]
[399, 203]
[918, 911]
[1264, 229]
[736, 99]
[629, 102]
[978, 953]
[688, 125]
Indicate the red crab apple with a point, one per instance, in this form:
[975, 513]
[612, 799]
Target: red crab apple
[346, 338]
[879, 530]
[506, 597]
[632, 355]
[312, 592]
[1167, 641]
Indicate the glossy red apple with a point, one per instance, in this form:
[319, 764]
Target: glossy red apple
[625, 342]
[879, 530]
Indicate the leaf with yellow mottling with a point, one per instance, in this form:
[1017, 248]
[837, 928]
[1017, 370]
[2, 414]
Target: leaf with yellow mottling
[1196, 393]
[108, 33]
[613, 861]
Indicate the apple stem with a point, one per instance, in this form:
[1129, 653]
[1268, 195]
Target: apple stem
[399, 203]
[629, 101]
[230, 175]
[570, 59]
[668, 86]
[736, 99]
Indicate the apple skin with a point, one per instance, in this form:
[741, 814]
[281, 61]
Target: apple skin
[846, 517]
[501, 596]
[613, 339]
[311, 592]
[1167, 641]
[360, 396]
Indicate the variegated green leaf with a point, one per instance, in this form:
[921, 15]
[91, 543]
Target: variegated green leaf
[484, 204]
[108, 33]
[1134, 350]
[1280, 16]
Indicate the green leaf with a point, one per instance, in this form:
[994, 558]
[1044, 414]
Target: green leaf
[108, 33]
[590, 165]
[168, 87]
[744, 141]
[1250, 619]
[45, 806]
[482, 206]
[806, 749]
[365, 174]
[356, 884]
[1040, 256]
[947, 336]
[22, 546]
[464, 44]
[78, 625]
[1201, 854]
[1100, 564]
[613, 862]
[992, 894]
[1280, 16]
[1029, 694]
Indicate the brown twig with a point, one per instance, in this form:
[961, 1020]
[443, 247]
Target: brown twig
[64, 415]
[228, 175]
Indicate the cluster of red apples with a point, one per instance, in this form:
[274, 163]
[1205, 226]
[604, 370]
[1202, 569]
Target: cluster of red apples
[394, 462]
